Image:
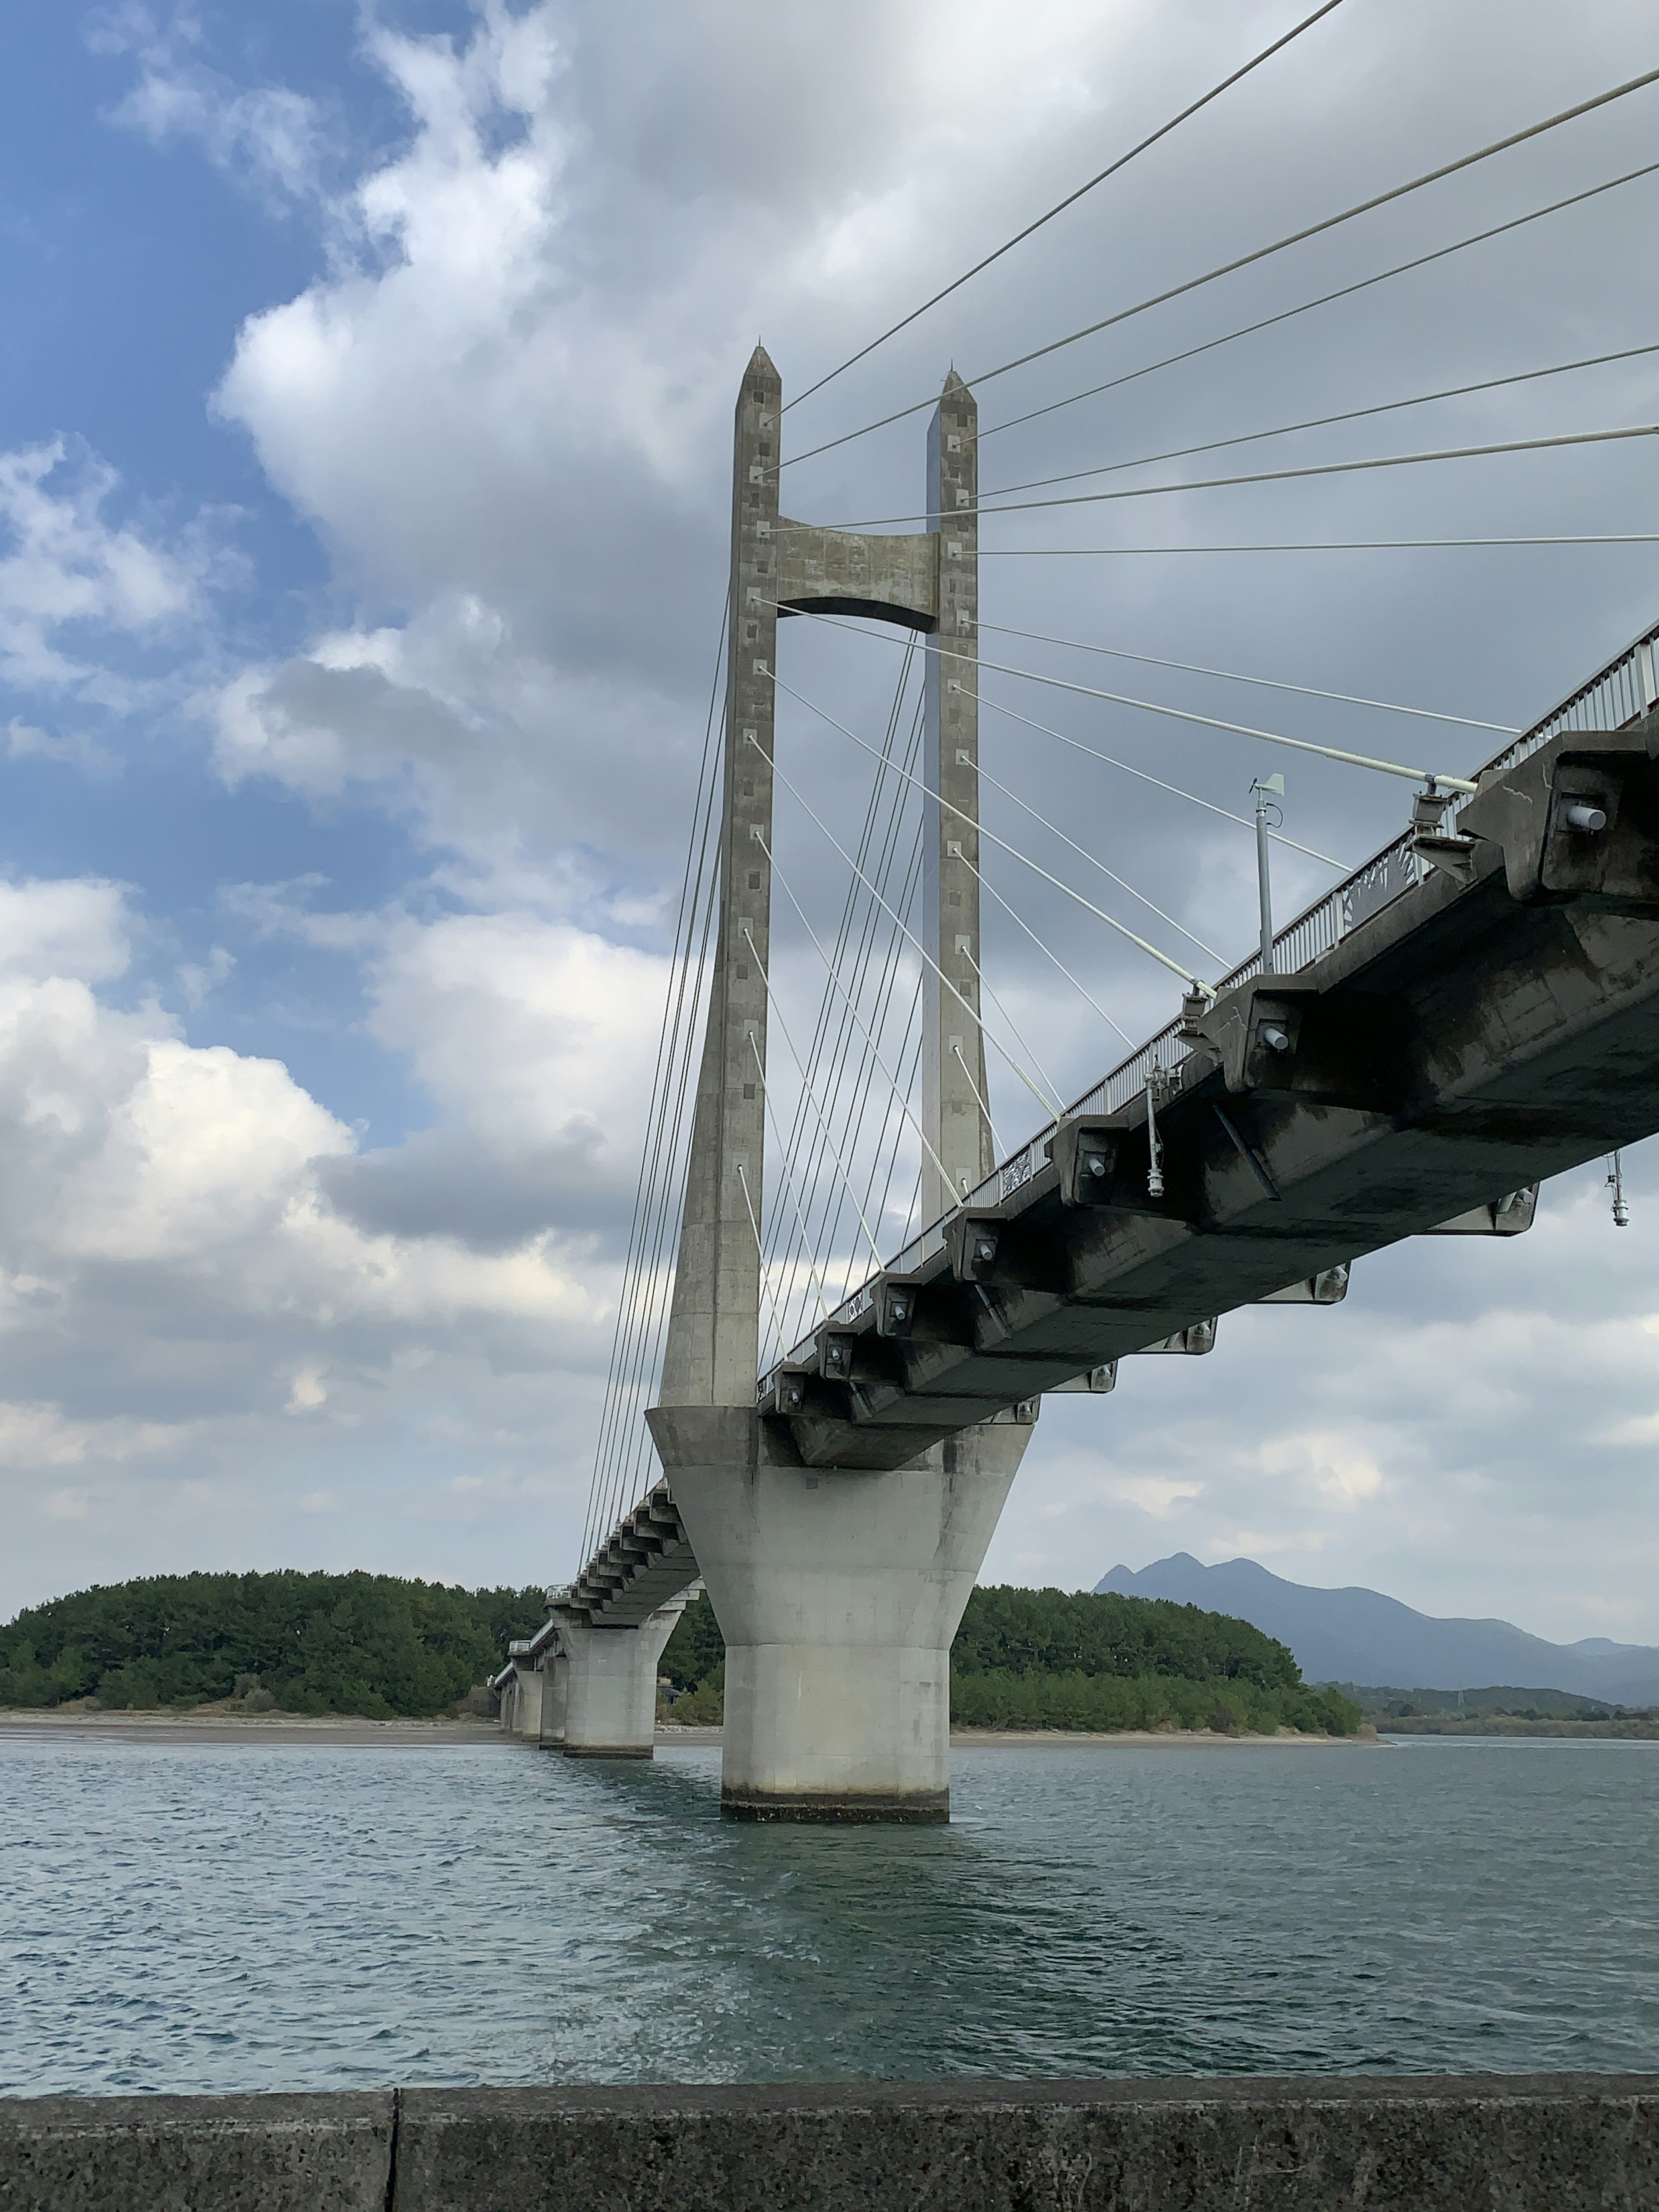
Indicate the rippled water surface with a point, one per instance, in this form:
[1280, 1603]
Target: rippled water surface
[223, 1917]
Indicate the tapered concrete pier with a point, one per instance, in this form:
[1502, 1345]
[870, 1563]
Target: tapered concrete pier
[838, 1593]
[610, 1684]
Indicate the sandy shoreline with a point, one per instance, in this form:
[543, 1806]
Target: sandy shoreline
[330, 1729]
[341, 1732]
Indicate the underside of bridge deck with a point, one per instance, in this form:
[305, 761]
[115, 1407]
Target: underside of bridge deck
[1495, 1025]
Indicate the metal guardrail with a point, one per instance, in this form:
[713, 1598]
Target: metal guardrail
[1622, 691]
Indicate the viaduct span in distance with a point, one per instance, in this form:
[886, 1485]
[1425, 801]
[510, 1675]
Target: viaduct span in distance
[1475, 1009]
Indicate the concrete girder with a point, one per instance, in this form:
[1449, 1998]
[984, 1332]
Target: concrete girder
[634, 1576]
[1484, 1029]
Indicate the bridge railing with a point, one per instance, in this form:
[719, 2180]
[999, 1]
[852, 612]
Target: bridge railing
[1622, 691]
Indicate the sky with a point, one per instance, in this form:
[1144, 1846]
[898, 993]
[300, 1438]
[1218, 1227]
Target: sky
[366, 380]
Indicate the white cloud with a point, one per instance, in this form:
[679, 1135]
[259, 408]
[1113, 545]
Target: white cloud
[70, 579]
[1335, 1464]
[273, 138]
[309, 1391]
[177, 1277]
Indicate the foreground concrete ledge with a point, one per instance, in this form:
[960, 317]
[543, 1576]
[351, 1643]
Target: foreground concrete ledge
[1396, 2143]
[302, 2154]
[1524, 2143]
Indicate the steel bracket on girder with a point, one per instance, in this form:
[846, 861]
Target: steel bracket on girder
[1511, 1216]
[1328, 1288]
[1094, 1384]
[1195, 1342]
[974, 1240]
[1276, 1036]
[1256, 1029]
[908, 1311]
[989, 1252]
[785, 1393]
[1084, 1150]
[1578, 818]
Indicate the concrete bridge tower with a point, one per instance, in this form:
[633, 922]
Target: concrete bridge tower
[838, 1590]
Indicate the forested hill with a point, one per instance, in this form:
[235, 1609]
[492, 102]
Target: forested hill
[363, 1643]
[1060, 1659]
[376, 1645]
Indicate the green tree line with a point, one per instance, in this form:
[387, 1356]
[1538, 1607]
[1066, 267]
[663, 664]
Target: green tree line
[1060, 1659]
[373, 1644]
[381, 1646]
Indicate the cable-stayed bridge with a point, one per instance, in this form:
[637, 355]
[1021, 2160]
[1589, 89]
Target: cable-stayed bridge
[817, 1415]
[1474, 1008]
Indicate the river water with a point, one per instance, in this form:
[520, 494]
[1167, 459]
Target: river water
[248, 1915]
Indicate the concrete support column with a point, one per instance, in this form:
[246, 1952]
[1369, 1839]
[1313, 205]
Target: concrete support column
[839, 1592]
[610, 1684]
[953, 1048]
[526, 1712]
[556, 1687]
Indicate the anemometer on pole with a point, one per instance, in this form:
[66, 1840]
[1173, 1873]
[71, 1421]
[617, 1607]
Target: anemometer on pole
[1266, 790]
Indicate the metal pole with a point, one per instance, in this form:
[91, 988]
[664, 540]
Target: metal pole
[1264, 793]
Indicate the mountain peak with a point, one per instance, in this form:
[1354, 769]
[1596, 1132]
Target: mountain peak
[1356, 1635]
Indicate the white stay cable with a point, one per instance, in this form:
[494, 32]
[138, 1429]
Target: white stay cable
[1174, 789]
[1283, 475]
[749, 1208]
[1056, 1105]
[862, 1087]
[1264, 683]
[1425, 775]
[1260, 254]
[1083, 853]
[788, 1181]
[968, 1074]
[904, 1106]
[973, 1012]
[855, 938]
[1325, 299]
[864, 1092]
[1323, 422]
[1070, 199]
[991, 838]
[889, 1120]
[1019, 918]
[1315, 546]
[632, 1337]
[772, 1001]
[898, 1132]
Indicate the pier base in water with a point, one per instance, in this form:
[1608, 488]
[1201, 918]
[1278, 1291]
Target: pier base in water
[609, 1686]
[838, 1592]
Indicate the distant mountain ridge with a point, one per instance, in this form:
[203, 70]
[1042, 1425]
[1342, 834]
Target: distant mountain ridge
[1359, 1636]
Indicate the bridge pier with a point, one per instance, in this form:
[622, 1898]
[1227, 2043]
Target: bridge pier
[838, 1592]
[610, 1684]
[527, 1706]
[556, 1689]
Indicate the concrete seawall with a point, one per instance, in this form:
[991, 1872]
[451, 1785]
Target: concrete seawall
[1524, 2143]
